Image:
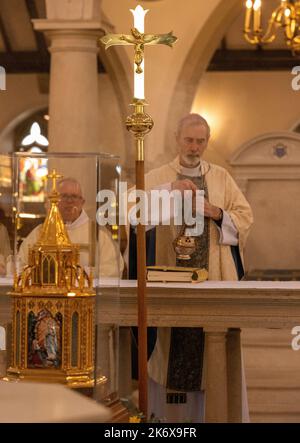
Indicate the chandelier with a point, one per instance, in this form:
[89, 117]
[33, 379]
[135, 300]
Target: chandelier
[285, 16]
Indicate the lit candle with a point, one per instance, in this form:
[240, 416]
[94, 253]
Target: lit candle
[249, 5]
[139, 79]
[257, 15]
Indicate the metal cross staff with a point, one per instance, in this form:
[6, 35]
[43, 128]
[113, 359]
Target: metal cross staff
[140, 124]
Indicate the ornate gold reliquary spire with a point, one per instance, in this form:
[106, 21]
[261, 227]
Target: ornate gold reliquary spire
[53, 309]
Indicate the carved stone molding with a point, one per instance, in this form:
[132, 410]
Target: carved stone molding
[270, 156]
[73, 9]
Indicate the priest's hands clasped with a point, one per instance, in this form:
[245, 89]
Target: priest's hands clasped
[210, 210]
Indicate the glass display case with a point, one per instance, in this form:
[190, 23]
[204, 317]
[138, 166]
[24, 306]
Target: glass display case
[65, 264]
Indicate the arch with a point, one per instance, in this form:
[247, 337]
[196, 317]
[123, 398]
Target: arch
[258, 158]
[49, 268]
[296, 127]
[196, 63]
[6, 133]
[257, 150]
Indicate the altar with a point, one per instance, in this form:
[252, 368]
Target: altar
[44, 403]
[222, 308]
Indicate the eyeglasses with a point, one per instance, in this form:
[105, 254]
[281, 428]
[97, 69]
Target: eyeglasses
[66, 197]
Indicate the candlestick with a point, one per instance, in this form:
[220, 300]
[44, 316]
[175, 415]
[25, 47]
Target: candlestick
[257, 15]
[249, 5]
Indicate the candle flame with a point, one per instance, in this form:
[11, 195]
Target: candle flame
[287, 12]
[257, 5]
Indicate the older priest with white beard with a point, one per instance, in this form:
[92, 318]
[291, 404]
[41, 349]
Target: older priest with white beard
[79, 228]
[177, 382]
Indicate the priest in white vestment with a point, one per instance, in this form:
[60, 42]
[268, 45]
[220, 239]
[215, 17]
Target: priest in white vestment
[80, 228]
[177, 381]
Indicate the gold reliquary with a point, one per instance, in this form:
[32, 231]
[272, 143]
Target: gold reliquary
[53, 335]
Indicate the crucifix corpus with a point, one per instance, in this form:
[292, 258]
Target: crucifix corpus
[140, 124]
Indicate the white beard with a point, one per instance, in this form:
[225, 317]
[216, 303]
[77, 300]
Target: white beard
[191, 160]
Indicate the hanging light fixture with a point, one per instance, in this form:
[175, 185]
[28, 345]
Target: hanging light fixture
[285, 16]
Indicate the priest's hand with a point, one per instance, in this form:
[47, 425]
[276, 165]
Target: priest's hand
[210, 210]
[184, 185]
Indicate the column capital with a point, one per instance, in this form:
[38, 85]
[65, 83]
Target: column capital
[66, 25]
[71, 36]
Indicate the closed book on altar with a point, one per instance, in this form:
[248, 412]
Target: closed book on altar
[176, 274]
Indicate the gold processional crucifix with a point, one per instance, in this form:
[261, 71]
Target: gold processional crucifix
[139, 40]
[140, 124]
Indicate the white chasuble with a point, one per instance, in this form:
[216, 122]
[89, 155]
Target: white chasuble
[223, 193]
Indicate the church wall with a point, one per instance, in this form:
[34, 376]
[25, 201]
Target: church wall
[231, 96]
[163, 67]
[269, 201]
[242, 105]
[235, 113]
[23, 95]
[111, 124]
[239, 107]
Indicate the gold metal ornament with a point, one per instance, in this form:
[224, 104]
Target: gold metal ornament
[139, 124]
[184, 245]
[138, 40]
[53, 334]
[286, 16]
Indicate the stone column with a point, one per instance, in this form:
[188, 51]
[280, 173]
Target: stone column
[73, 28]
[125, 378]
[234, 375]
[215, 376]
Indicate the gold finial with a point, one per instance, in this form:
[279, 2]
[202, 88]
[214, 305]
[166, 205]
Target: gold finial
[54, 231]
[55, 176]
